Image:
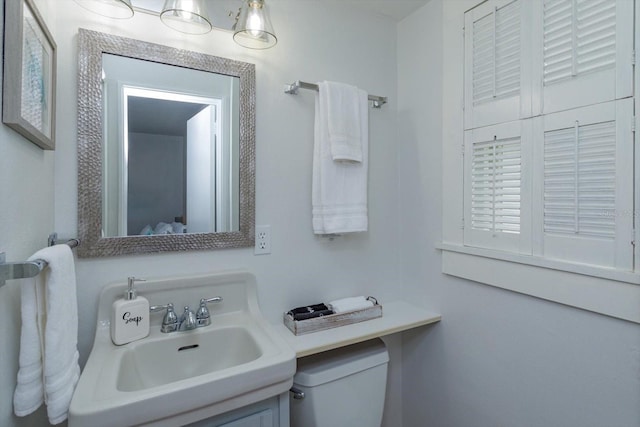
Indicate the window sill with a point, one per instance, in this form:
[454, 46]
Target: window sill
[601, 290]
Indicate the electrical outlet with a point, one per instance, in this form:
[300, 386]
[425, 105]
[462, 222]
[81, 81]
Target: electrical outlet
[263, 240]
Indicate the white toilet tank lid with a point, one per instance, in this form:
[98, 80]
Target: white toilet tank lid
[339, 363]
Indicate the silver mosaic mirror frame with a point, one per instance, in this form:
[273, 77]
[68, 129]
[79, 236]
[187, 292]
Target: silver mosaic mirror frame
[92, 45]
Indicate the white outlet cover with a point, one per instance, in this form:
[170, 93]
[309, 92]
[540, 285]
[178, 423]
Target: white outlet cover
[263, 240]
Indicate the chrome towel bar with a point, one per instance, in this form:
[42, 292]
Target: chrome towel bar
[292, 89]
[26, 269]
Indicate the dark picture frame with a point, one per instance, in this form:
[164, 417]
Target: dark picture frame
[29, 79]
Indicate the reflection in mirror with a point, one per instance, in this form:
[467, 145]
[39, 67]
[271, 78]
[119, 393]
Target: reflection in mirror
[171, 149]
[166, 148]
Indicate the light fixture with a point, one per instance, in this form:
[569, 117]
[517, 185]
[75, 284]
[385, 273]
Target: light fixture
[119, 9]
[253, 28]
[186, 16]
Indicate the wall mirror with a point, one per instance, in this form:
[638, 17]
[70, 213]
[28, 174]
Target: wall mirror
[166, 148]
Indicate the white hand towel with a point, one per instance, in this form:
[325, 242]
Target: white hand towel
[343, 120]
[49, 338]
[29, 393]
[350, 304]
[339, 189]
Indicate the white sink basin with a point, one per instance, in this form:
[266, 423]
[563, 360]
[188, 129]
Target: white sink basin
[170, 379]
[150, 363]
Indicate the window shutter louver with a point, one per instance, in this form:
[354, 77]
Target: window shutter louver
[507, 50]
[495, 50]
[483, 60]
[579, 37]
[579, 180]
[595, 36]
[586, 52]
[586, 212]
[558, 40]
[494, 197]
[495, 186]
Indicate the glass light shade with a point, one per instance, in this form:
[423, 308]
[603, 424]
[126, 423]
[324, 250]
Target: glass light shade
[253, 28]
[119, 9]
[186, 16]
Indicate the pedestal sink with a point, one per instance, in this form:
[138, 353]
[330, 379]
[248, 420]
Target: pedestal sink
[170, 379]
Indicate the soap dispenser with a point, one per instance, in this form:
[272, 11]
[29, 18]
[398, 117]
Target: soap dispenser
[129, 316]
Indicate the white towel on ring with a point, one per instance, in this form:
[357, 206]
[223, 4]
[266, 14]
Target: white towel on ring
[49, 369]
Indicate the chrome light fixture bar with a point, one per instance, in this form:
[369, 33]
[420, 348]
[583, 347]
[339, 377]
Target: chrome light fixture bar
[253, 28]
[118, 9]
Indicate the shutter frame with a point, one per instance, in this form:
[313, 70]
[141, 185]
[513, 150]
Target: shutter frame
[498, 75]
[496, 158]
[601, 236]
[597, 45]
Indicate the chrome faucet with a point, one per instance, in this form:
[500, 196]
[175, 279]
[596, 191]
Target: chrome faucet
[188, 320]
[203, 316]
[170, 319]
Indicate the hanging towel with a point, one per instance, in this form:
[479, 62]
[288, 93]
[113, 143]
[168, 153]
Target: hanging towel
[343, 120]
[49, 369]
[339, 189]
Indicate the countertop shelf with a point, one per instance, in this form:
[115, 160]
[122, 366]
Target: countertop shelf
[397, 316]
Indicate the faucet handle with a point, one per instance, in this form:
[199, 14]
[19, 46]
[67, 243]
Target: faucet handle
[170, 319]
[203, 316]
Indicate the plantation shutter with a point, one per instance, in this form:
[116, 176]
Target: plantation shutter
[587, 188]
[497, 51]
[496, 187]
[587, 49]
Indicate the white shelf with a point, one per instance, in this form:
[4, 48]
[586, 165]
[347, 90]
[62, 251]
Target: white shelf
[397, 316]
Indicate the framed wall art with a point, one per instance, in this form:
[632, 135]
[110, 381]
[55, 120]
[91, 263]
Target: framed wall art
[29, 82]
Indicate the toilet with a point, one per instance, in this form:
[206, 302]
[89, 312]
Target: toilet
[341, 387]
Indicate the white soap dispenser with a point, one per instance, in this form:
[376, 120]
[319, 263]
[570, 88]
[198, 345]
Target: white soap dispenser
[129, 316]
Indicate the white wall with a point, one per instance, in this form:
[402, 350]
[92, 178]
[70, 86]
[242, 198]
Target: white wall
[497, 357]
[26, 213]
[301, 268]
[317, 41]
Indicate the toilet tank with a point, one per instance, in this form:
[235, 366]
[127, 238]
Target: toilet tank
[342, 387]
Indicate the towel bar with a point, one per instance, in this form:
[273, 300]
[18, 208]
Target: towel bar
[292, 89]
[26, 269]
